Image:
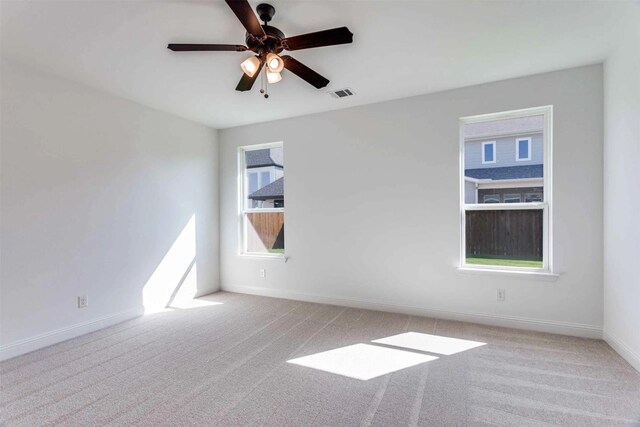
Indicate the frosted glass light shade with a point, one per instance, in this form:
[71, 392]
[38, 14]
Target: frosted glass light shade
[275, 64]
[250, 66]
[273, 77]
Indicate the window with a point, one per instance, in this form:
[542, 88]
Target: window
[523, 149]
[505, 217]
[489, 152]
[512, 198]
[257, 180]
[253, 182]
[491, 198]
[261, 189]
[265, 178]
[533, 197]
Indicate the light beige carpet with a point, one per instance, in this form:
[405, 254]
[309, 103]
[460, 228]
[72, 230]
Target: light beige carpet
[226, 364]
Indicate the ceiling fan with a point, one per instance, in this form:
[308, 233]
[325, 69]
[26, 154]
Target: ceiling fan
[267, 42]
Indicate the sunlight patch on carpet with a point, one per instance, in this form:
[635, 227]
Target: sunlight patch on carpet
[430, 343]
[362, 361]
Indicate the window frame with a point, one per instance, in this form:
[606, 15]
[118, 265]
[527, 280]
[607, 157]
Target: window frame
[243, 210]
[528, 158]
[547, 192]
[492, 143]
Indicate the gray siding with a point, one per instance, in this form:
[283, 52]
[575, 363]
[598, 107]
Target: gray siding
[505, 153]
[470, 192]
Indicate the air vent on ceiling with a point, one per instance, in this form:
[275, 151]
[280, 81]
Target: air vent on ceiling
[342, 93]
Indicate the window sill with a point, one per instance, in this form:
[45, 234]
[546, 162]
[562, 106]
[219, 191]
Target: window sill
[264, 256]
[535, 275]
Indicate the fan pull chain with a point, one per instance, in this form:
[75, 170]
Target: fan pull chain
[264, 84]
[261, 82]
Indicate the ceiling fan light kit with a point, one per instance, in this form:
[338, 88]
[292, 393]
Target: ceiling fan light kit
[274, 63]
[250, 65]
[273, 77]
[267, 43]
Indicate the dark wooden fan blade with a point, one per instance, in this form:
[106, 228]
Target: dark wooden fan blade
[304, 72]
[245, 14]
[178, 47]
[246, 82]
[331, 37]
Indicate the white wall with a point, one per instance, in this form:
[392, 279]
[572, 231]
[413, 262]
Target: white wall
[372, 207]
[95, 191]
[621, 189]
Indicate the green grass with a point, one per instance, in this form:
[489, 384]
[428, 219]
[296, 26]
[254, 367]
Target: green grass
[276, 251]
[505, 262]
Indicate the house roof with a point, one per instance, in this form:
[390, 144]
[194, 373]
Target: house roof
[274, 190]
[508, 172]
[260, 158]
[519, 125]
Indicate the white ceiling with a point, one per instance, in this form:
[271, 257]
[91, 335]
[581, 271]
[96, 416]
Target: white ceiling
[400, 48]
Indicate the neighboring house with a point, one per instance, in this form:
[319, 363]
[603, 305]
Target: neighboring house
[265, 178]
[271, 195]
[504, 161]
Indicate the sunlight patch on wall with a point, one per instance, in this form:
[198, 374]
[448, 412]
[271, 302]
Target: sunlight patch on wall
[173, 271]
[188, 289]
[362, 361]
[430, 343]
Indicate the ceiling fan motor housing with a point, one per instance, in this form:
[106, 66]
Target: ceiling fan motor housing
[271, 43]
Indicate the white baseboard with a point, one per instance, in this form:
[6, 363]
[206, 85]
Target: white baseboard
[554, 327]
[623, 350]
[16, 348]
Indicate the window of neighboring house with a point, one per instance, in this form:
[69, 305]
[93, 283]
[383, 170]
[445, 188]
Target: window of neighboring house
[512, 198]
[523, 149]
[491, 198]
[489, 152]
[533, 197]
[265, 178]
[258, 180]
[502, 228]
[261, 190]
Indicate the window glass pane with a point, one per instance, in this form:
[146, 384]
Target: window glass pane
[503, 163]
[488, 153]
[253, 182]
[533, 197]
[509, 195]
[265, 179]
[264, 172]
[523, 149]
[504, 237]
[506, 175]
[264, 232]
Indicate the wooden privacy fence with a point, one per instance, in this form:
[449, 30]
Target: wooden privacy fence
[265, 231]
[512, 234]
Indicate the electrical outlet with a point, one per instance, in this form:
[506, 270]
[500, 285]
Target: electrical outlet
[263, 273]
[500, 295]
[83, 301]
